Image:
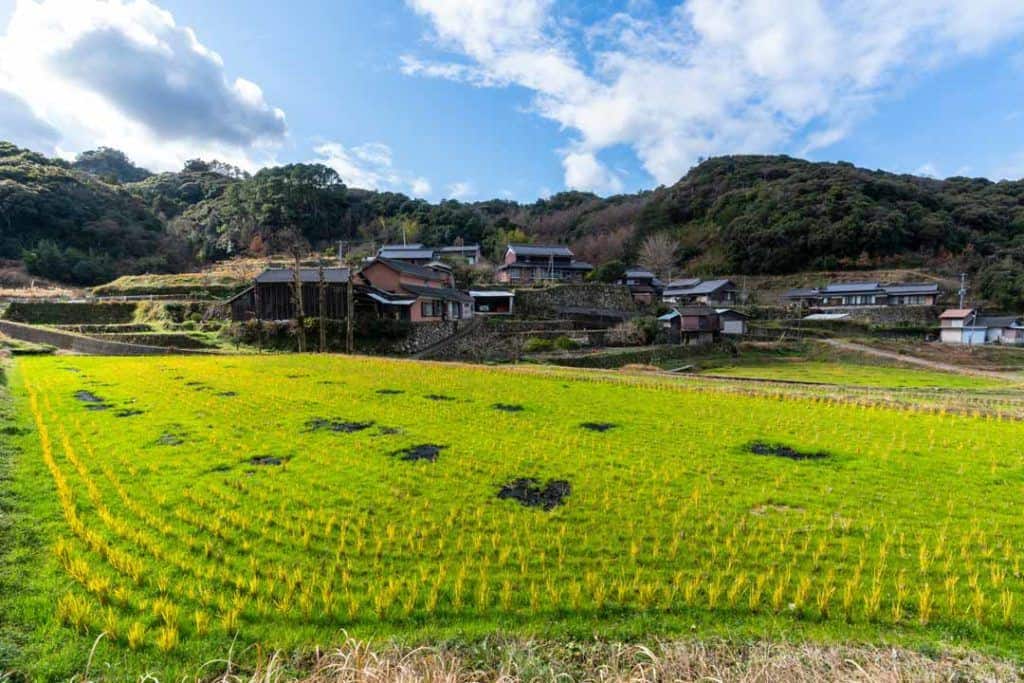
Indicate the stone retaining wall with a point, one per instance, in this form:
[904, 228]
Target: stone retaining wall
[82, 344]
[545, 303]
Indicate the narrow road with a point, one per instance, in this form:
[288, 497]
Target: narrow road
[931, 364]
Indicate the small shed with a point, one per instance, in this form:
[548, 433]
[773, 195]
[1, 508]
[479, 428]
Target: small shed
[692, 325]
[492, 301]
[733, 322]
[272, 294]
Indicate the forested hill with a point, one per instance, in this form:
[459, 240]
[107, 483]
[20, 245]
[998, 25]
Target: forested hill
[101, 215]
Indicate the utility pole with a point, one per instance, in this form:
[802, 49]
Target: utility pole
[300, 313]
[349, 315]
[963, 289]
[323, 307]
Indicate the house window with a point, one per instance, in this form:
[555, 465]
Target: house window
[431, 309]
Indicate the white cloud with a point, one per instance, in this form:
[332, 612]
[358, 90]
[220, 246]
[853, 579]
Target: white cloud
[461, 190]
[584, 172]
[420, 187]
[928, 170]
[708, 76]
[122, 73]
[370, 167]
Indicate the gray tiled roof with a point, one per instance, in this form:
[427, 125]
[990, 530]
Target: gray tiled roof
[912, 288]
[541, 250]
[403, 253]
[443, 293]
[855, 287]
[275, 275]
[411, 269]
[708, 287]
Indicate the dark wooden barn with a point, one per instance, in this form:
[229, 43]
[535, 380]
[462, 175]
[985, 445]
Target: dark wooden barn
[271, 296]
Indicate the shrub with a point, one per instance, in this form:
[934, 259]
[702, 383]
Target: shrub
[626, 333]
[566, 344]
[538, 344]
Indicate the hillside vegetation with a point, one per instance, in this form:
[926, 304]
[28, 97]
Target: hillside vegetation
[85, 223]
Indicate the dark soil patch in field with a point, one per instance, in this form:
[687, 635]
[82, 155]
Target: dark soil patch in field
[87, 397]
[266, 460]
[320, 424]
[439, 397]
[599, 426]
[508, 407]
[389, 431]
[529, 492]
[390, 392]
[13, 430]
[427, 451]
[128, 412]
[227, 394]
[296, 376]
[329, 381]
[220, 468]
[783, 451]
[170, 439]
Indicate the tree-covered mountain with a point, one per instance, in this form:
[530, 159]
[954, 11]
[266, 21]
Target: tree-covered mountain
[71, 226]
[110, 164]
[728, 215]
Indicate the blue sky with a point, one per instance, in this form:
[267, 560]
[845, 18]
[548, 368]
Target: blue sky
[519, 98]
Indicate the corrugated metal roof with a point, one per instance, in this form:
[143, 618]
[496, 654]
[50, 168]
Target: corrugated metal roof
[996, 320]
[276, 275]
[800, 293]
[639, 273]
[827, 316]
[955, 313]
[684, 283]
[541, 250]
[411, 245]
[460, 250]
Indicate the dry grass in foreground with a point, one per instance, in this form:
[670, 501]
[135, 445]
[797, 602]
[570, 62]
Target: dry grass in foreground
[511, 661]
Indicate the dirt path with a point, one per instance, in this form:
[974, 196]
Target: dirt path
[931, 364]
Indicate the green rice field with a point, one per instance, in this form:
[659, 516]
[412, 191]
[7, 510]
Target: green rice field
[857, 374]
[188, 507]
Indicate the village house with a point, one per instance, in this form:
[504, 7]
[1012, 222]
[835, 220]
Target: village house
[967, 326]
[696, 291]
[466, 253]
[692, 325]
[406, 291]
[272, 294]
[864, 294]
[528, 263]
[419, 254]
[644, 286]
[416, 253]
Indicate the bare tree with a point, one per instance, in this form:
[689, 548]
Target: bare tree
[658, 253]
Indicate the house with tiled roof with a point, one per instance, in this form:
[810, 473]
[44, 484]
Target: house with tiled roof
[529, 263]
[864, 294]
